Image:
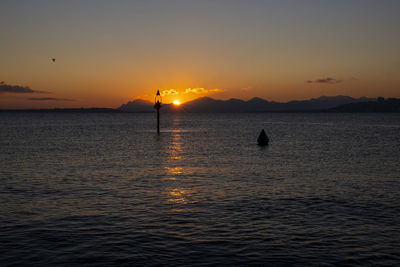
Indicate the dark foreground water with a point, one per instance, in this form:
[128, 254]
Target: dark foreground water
[104, 190]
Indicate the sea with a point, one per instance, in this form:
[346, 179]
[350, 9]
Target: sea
[104, 189]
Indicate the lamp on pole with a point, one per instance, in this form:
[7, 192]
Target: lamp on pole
[157, 105]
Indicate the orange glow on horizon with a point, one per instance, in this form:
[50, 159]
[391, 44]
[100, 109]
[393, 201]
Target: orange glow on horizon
[176, 102]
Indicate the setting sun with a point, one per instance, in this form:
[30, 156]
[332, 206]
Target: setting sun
[176, 102]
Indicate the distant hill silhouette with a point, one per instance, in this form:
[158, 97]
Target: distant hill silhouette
[138, 105]
[389, 105]
[66, 110]
[210, 105]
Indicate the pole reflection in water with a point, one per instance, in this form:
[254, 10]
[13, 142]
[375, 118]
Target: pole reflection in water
[179, 192]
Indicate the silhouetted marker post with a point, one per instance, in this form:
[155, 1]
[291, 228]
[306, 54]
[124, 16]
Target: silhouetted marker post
[262, 139]
[157, 105]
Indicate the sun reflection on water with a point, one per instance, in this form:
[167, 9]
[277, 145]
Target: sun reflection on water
[176, 194]
[174, 170]
[176, 148]
[181, 196]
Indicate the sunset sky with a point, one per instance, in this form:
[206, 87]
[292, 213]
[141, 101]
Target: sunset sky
[111, 52]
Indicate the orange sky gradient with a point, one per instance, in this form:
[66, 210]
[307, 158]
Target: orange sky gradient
[108, 53]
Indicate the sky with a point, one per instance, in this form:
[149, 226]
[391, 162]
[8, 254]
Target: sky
[110, 52]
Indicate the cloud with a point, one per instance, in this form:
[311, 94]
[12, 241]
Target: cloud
[201, 90]
[49, 99]
[169, 92]
[327, 80]
[8, 88]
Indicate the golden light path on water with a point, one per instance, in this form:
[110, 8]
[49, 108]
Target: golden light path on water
[176, 193]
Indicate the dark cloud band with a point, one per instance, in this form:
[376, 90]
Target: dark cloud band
[8, 88]
[50, 99]
[327, 80]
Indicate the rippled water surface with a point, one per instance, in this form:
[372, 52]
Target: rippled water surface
[101, 189]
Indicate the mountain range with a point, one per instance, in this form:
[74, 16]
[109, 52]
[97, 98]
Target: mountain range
[210, 105]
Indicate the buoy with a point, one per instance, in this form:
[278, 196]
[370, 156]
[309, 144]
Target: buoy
[262, 138]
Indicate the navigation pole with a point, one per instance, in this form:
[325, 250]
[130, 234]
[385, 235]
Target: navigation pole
[157, 105]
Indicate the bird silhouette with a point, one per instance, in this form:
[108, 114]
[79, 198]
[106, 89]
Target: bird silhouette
[53, 59]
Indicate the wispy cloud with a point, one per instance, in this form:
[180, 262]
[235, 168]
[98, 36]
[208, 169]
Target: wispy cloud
[17, 89]
[49, 99]
[246, 88]
[201, 90]
[169, 92]
[328, 80]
